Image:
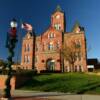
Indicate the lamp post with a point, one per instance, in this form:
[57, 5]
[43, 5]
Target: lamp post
[10, 44]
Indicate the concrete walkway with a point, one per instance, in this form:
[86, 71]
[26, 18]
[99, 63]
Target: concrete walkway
[53, 95]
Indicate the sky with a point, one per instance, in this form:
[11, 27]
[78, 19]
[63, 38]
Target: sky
[38, 12]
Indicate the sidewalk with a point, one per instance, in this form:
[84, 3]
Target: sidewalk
[34, 95]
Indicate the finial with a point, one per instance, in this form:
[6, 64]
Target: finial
[58, 8]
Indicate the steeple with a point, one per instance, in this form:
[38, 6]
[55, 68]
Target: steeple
[77, 28]
[76, 25]
[57, 19]
[58, 8]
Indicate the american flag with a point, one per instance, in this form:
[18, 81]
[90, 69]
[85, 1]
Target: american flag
[27, 26]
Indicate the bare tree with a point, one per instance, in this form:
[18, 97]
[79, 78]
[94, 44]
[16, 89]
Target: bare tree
[71, 53]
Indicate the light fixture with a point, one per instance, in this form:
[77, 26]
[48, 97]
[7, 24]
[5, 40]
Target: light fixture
[13, 23]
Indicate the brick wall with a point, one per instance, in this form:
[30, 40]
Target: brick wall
[57, 29]
[74, 37]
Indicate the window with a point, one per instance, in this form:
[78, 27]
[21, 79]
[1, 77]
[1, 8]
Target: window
[28, 47]
[57, 26]
[58, 44]
[36, 59]
[25, 47]
[51, 35]
[50, 46]
[76, 69]
[79, 56]
[78, 43]
[25, 59]
[80, 68]
[28, 59]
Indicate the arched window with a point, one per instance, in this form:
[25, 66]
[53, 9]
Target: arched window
[51, 35]
[76, 68]
[28, 47]
[28, 59]
[50, 46]
[25, 47]
[57, 44]
[57, 26]
[25, 59]
[79, 56]
[80, 68]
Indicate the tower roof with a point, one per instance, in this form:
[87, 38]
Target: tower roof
[77, 27]
[58, 8]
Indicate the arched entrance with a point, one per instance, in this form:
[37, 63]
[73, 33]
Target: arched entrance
[50, 64]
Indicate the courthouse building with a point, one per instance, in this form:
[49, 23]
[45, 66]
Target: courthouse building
[43, 52]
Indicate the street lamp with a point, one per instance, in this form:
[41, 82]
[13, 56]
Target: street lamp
[13, 29]
[13, 23]
[10, 44]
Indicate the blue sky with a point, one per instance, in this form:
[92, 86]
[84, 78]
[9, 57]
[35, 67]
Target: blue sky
[38, 12]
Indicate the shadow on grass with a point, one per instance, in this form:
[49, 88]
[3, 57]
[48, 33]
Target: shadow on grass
[64, 83]
[89, 87]
[43, 85]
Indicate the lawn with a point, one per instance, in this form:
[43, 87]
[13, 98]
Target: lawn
[78, 83]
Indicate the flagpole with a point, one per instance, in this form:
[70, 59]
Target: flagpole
[20, 41]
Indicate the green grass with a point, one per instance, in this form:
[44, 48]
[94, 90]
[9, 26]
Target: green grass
[65, 82]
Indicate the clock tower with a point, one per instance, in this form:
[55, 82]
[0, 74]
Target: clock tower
[57, 20]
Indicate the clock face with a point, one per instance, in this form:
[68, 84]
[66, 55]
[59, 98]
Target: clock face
[58, 16]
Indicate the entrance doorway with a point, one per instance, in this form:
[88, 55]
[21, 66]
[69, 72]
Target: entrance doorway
[50, 64]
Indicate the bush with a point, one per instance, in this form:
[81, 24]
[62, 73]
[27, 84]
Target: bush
[26, 72]
[50, 71]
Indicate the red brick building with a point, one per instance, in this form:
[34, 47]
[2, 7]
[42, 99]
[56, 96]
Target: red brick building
[44, 52]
